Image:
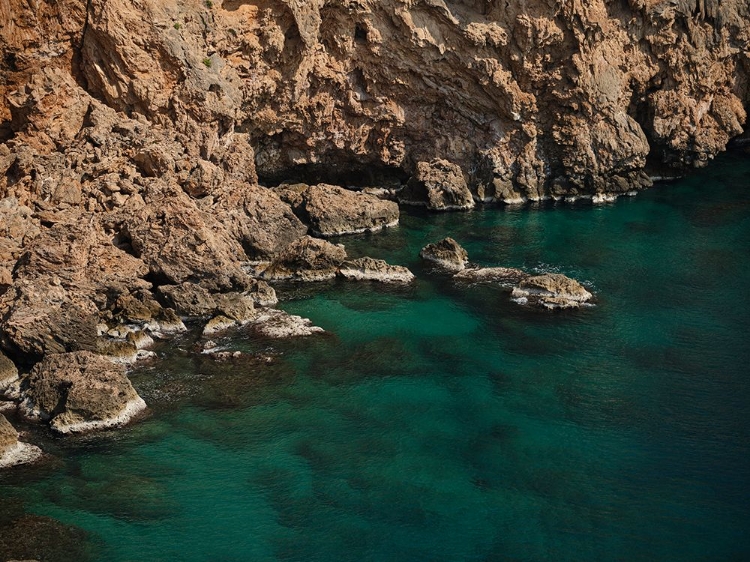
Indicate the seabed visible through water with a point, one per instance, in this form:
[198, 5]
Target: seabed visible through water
[444, 423]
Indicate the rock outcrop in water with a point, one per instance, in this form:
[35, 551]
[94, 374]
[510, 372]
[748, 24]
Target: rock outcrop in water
[548, 290]
[13, 451]
[78, 391]
[552, 291]
[446, 253]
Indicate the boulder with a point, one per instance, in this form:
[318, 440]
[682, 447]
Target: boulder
[180, 242]
[259, 219]
[188, 299]
[79, 391]
[447, 254]
[551, 291]
[331, 210]
[306, 259]
[13, 451]
[369, 269]
[277, 324]
[440, 185]
[8, 373]
[501, 275]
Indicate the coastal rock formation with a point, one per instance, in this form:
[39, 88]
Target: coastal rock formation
[332, 211]
[306, 259]
[501, 275]
[8, 374]
[447, 254]
[552, 291]
[13, 451]
[277, 324]
[259, 219]
[78, 391]
[369, 269]
[439, 185]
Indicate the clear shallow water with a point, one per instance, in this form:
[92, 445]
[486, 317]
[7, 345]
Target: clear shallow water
[446, 423]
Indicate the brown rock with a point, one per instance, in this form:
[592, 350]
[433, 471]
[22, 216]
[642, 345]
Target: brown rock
[259, 219]
[190, 299]
[439, 185]
[551, 290]
[447, 253]
[8, 373]
[179, 243]
[13, 451]
[502, 275]
[306, 259]
[369, 269]
[79, 391]
[331, 211]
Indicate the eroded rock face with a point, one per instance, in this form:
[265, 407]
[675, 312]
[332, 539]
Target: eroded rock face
[306, 259]
[502, 275]
[332, 211]
[13, 451]
[8, 373]
[439, 185]
[77, 392]
[552, 291]
[447, 254]
[369, 269]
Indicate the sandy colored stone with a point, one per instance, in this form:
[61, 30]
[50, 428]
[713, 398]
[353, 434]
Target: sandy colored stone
[446, 253]
[79, 391]
[306, 259]
[369, 269]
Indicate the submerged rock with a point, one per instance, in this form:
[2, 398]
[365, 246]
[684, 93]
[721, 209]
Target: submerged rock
[552, 291]
[306, 259]
[369, 269]
[331, 210]
[273, 323]
[439, 185]
[79, 391]
[501, 275]
[447, 253]
[13, 451]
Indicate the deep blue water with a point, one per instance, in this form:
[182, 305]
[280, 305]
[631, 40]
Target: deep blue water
[446, 423]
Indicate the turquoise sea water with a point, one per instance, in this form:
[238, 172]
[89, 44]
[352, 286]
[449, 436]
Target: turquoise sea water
[445, 423]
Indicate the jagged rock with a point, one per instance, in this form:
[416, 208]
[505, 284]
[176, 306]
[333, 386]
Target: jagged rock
[306, 259]
[259, 219]
[13, 451]
[273, 323]
[180, 242]
[447, 253]
[262, 293]
[8, 373]
[236, 306]
[218, 324]
[331, 210]
[77, 392]
[369, 269]
[552, 291]
[189, 299]
[439, 185]
[501, 275]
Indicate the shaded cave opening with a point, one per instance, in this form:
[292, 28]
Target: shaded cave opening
[353, 176]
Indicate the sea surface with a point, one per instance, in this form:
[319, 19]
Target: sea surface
[441, 422]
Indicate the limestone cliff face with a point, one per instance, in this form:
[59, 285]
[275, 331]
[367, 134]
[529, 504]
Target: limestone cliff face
[528, 98]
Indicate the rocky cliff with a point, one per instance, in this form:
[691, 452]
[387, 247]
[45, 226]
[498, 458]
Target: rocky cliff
[140, 137]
